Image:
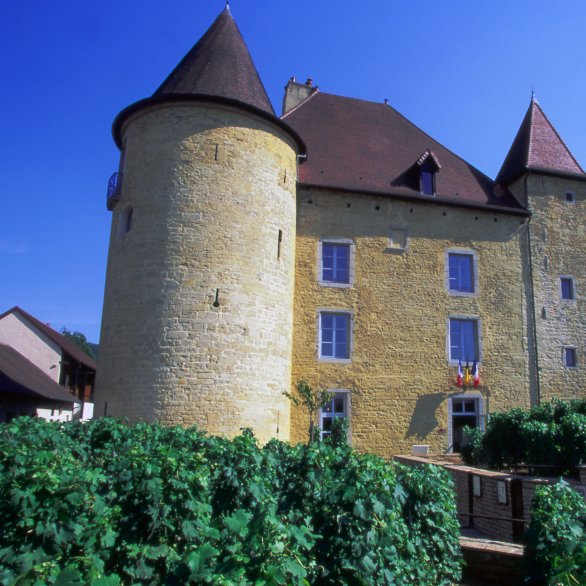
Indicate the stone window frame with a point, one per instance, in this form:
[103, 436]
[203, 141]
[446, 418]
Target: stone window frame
[350, 336]
[479, 343]
[351, 261]
[397, 249]
[574, 351]
[481, 414]
[475, 269]
[332, 415]
[572, 281]
[570, 197]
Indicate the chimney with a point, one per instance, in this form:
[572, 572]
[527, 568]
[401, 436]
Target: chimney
[296, 92]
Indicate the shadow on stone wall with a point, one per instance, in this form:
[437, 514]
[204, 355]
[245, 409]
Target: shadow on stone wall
[423, 420]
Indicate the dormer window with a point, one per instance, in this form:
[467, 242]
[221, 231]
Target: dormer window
[427, 182]
[428, 166]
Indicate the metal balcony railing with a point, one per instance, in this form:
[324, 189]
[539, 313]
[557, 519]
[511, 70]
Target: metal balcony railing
[114, 190]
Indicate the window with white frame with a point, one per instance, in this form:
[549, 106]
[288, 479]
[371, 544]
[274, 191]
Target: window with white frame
[463, 340]
[336, 407]
[335, 262]
[461, 272]
[570, 357]
[334, 335]
[464, 411]
[567, 288]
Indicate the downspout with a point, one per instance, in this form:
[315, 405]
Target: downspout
[532, 293]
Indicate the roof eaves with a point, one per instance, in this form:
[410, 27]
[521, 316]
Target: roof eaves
[170, 98]
[517, 211]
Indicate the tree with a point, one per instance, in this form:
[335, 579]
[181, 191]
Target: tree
[313, 402]
[81, 342]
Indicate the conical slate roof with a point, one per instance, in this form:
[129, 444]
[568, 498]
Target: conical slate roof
[537, 147]
[219, 65]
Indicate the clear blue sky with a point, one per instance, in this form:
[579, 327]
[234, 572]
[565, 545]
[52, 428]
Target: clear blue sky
[461, 70]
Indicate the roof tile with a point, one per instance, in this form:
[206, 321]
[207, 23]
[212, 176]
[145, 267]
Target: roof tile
[369, 147]
[219, 65]
[537, 146]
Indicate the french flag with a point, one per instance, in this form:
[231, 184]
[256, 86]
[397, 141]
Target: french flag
[475, 374]
[460, 374]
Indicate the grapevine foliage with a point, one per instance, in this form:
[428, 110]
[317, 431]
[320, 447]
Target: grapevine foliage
[556, 539]
[106, 503]
[552, 433]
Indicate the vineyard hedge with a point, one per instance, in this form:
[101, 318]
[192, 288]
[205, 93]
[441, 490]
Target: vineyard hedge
[552, 434]
[106, 503]
[556, 539]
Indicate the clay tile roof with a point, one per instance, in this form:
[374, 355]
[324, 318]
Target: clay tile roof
[537, 146]
[361, 146]
[66, 345]
[20, 376]
[219, 65]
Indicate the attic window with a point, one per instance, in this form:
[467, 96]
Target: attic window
[428, 165]
[427, 182]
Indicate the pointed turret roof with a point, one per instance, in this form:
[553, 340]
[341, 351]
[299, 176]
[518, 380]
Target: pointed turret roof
[219, 65]
[537, 147]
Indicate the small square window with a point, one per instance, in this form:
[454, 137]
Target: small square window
[334, 335]
[567, 287]
[337, 407]
[464, 340]
[397, 239]
[570, 197]
[570, 358]
[461, 272]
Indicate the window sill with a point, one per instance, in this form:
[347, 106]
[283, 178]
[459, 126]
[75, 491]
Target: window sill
[331, 359]
[462, 293]
[335, 284]
[455, 363]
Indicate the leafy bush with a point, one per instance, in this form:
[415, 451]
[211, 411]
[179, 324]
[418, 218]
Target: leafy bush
[105, 503]
[556, 539]
[552, 434]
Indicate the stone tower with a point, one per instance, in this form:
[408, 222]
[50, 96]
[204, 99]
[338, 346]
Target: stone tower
[197, 321]
[546, 179]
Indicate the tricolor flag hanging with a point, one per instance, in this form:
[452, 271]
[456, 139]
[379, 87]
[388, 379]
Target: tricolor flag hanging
[459, 379]
[467, 374]
[475, 374]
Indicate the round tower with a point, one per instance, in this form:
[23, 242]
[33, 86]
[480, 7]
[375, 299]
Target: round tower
[197, 320]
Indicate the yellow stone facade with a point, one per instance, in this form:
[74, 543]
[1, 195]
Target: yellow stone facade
[399, 375]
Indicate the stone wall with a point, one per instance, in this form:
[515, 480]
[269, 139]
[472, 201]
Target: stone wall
[399, 375]
[198, 304]
[558, 248]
